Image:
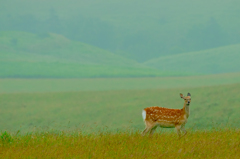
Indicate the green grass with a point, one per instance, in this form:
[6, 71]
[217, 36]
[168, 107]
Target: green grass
[218, 60]
[103, 84]
[117, 109]
[220, 143]
[101, 118]
[15, 69]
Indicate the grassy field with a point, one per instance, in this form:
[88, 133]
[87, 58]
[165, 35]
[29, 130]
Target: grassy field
[115, 103]
[104, 84]
[101, 118]
[223, 143]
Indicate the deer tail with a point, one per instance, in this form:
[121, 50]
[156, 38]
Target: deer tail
[144, 114]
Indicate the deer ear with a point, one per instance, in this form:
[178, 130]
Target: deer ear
[188, 94]
[181, 95]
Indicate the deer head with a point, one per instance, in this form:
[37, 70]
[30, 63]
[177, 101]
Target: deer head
[187, 100]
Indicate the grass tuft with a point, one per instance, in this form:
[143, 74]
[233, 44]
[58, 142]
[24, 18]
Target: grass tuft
[6, 138]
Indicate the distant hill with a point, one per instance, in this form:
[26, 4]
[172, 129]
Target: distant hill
[136, 29]
[51, 55]
[218, 60]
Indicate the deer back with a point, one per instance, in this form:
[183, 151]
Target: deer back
[165, 116]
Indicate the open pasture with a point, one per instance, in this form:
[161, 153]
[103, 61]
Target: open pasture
[115, 104]
[105, 84]
[101, 118]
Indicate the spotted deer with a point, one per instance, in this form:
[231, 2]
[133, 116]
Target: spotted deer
[167, 118]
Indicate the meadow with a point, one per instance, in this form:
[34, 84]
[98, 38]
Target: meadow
[218, 143]
[28, 85]
[101, 118]
[91, 104]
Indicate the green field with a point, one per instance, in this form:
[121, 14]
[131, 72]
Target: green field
[105, 84]
[218, 143]
[101, 117]
[91, 104]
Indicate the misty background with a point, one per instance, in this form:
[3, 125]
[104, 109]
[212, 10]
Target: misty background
[103, 38]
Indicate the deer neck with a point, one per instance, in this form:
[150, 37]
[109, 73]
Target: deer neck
[186, 109]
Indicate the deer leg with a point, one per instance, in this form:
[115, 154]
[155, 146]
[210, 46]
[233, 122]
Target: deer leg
[184, 130]
[145, 131]
[178, 130]
[152, 131]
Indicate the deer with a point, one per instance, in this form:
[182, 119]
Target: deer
[167, 118]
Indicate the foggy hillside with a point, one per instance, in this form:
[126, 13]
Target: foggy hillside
[51, 55]
[136, 29]
[103, 38]
[218, 60]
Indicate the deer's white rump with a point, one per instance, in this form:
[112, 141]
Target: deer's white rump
[144, 114]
